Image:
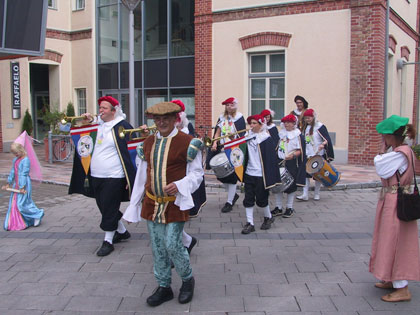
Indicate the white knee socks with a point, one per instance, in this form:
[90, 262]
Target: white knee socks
[279, 200]
[250, 215]
[290, 199]
[306, 189]
[317, 187]
[267, 213]
[109, 236]
[121, 228]
[231, 190]
[186, 239]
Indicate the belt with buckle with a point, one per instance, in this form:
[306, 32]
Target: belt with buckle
[159, 199]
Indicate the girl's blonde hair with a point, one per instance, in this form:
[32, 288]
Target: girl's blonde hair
[18, 148]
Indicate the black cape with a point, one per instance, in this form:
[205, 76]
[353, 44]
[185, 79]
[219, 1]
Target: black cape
[329, 150]
[77, 181]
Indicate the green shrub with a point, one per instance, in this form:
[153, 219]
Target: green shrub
[70, 110]
[27, 123]
[416, 150]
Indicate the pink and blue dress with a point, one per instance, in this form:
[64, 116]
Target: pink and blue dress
[22, 211]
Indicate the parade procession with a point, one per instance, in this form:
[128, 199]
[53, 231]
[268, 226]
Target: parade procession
[159, 169]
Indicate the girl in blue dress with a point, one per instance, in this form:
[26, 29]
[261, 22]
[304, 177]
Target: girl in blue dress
[22, 211]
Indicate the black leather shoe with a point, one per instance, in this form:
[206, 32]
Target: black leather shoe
[105, 249]
[160, 296]
[227, 207]
[193, 242]
[118, 237]
[187, 291]
[235, 199]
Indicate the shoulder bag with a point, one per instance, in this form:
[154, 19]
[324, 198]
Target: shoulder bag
[408, 205]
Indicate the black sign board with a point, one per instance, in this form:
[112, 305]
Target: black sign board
[22, 27]
[15, 83]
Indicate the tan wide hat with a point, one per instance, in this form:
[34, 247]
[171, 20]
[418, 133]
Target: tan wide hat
[163, 108]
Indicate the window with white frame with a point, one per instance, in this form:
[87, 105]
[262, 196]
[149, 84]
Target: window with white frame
[80, 5]
[81, 100]
[52, 4]
[266, 83]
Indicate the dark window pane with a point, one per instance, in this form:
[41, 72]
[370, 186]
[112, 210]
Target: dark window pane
[1, 22]
[156, 41]
[182, 72]
[137, 74]
[277, 88]
[155, 73]
[124, 75]
[257, 64]
[278, 107]
[23, 24]
[182, 39]
[108, 76]
[257, 106]
[258, 88]
[108, 34]
[277, 63]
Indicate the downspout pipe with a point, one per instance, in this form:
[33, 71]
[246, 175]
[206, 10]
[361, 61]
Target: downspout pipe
[386, 59]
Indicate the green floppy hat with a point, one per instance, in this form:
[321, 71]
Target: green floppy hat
[391, 124]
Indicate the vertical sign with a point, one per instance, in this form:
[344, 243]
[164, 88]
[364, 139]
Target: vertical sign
[15, 80]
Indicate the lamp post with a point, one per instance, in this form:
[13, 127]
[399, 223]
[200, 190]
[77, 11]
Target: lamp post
[131, 5]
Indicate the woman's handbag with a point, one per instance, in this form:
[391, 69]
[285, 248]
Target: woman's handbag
[408, 205]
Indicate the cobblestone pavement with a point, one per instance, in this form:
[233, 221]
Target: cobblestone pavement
[315, 262]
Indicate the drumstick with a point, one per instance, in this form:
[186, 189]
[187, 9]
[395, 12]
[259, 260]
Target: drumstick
[13, 190]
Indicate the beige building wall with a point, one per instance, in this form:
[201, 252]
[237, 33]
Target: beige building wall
[314, 68]
[235, 4]
[407, 9]
[11, 128]
[402, 98]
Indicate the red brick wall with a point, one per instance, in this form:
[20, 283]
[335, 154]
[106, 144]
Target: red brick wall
[203, 64]
[367, 66]
[50, 55]
[265, 38]
[65, 35]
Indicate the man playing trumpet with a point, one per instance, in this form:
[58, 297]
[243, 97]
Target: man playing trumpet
[111, 173]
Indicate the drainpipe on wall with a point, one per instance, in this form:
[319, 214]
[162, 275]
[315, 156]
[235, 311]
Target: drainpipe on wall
[386, 58]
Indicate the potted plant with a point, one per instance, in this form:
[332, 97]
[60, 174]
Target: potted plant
[51, 118]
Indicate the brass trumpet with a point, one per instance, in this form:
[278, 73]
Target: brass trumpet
[71, 119]
[208, 142]
[122, 132]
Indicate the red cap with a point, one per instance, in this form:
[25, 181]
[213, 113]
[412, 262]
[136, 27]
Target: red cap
[180, 104]
[256, 117]
[265, 112]
[109, 99]
[289, 118]
[309, 113]
[230, 100]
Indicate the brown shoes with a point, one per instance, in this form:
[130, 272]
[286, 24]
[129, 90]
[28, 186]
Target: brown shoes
[384, 285]
[399, 295]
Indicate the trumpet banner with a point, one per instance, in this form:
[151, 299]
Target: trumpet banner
[132, 145]
[84, 139]
[236, 152]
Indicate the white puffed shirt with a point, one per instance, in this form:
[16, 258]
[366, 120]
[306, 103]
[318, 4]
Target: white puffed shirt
[186, 186]
[387, 164]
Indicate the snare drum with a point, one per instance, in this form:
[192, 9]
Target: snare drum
[322, 171]
[221, 166]
[286, 180]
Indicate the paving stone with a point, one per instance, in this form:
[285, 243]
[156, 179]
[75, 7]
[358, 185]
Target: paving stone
[285, 290]
[325, 289]
[270, 304]
[351, 303]
[37, 302]
[91, 303]
[242, 290]
[218, 304]
[310, 303]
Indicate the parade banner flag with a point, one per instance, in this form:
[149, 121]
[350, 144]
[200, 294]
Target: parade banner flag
[236, 152]
[132, 146]
[84, 139]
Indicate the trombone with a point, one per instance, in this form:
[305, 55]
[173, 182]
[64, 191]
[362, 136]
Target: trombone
[122, 132]
[71, 119]
[209, 142]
